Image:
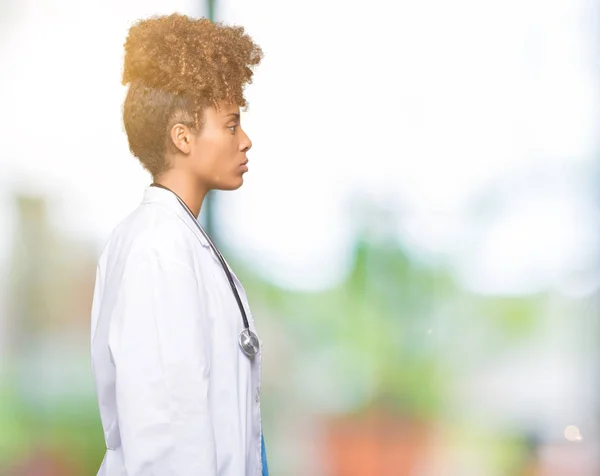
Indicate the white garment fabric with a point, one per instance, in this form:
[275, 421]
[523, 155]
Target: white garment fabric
[177, 396]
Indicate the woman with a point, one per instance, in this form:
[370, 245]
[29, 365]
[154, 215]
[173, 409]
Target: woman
[176, 359]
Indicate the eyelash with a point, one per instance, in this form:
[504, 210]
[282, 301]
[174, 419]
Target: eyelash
[232, 129]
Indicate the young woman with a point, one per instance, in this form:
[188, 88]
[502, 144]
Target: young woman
[175, 354]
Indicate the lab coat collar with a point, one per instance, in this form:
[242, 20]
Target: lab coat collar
[166, 198]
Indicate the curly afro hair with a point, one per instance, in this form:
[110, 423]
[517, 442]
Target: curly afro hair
[176, 67]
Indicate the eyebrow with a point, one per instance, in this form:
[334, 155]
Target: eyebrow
[234, 114]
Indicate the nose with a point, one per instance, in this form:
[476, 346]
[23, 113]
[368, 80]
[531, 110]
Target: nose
[246, 143]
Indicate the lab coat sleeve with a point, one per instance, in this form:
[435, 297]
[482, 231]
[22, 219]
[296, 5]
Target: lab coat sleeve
[160, 345]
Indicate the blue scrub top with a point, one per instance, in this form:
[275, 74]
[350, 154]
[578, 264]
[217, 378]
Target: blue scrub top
[265, 468]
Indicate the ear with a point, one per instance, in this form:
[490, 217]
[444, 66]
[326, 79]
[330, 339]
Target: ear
[181, 136]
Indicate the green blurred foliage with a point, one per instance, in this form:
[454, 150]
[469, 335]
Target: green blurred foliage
[375, 341]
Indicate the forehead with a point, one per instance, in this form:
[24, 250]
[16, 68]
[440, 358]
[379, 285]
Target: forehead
[225, 112]
[227, 109]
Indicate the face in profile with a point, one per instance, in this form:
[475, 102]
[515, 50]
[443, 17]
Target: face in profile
[218, 153]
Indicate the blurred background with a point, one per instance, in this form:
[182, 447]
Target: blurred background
[418, 233]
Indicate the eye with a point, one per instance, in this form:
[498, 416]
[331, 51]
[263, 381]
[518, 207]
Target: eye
[232, 128]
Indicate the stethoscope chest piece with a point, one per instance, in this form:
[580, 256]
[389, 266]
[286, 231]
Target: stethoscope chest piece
[249, 343]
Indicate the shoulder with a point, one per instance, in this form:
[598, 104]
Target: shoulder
[152, 232]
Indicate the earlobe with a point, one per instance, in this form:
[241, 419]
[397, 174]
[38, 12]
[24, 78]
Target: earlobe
[184, 145]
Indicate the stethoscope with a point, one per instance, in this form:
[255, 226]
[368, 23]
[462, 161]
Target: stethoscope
[248, 340]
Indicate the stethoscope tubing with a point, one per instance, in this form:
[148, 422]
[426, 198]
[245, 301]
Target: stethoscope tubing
[217, 253]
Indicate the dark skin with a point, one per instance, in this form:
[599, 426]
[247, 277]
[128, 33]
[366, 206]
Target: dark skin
[213, 159]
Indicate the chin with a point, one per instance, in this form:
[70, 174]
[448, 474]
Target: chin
[233, 185]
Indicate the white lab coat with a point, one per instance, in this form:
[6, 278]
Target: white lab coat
[177, 396]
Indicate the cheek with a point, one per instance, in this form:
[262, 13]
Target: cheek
[224, 152]
[215, 155]
[207, 154]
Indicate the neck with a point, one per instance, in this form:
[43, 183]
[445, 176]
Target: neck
[186, 187]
